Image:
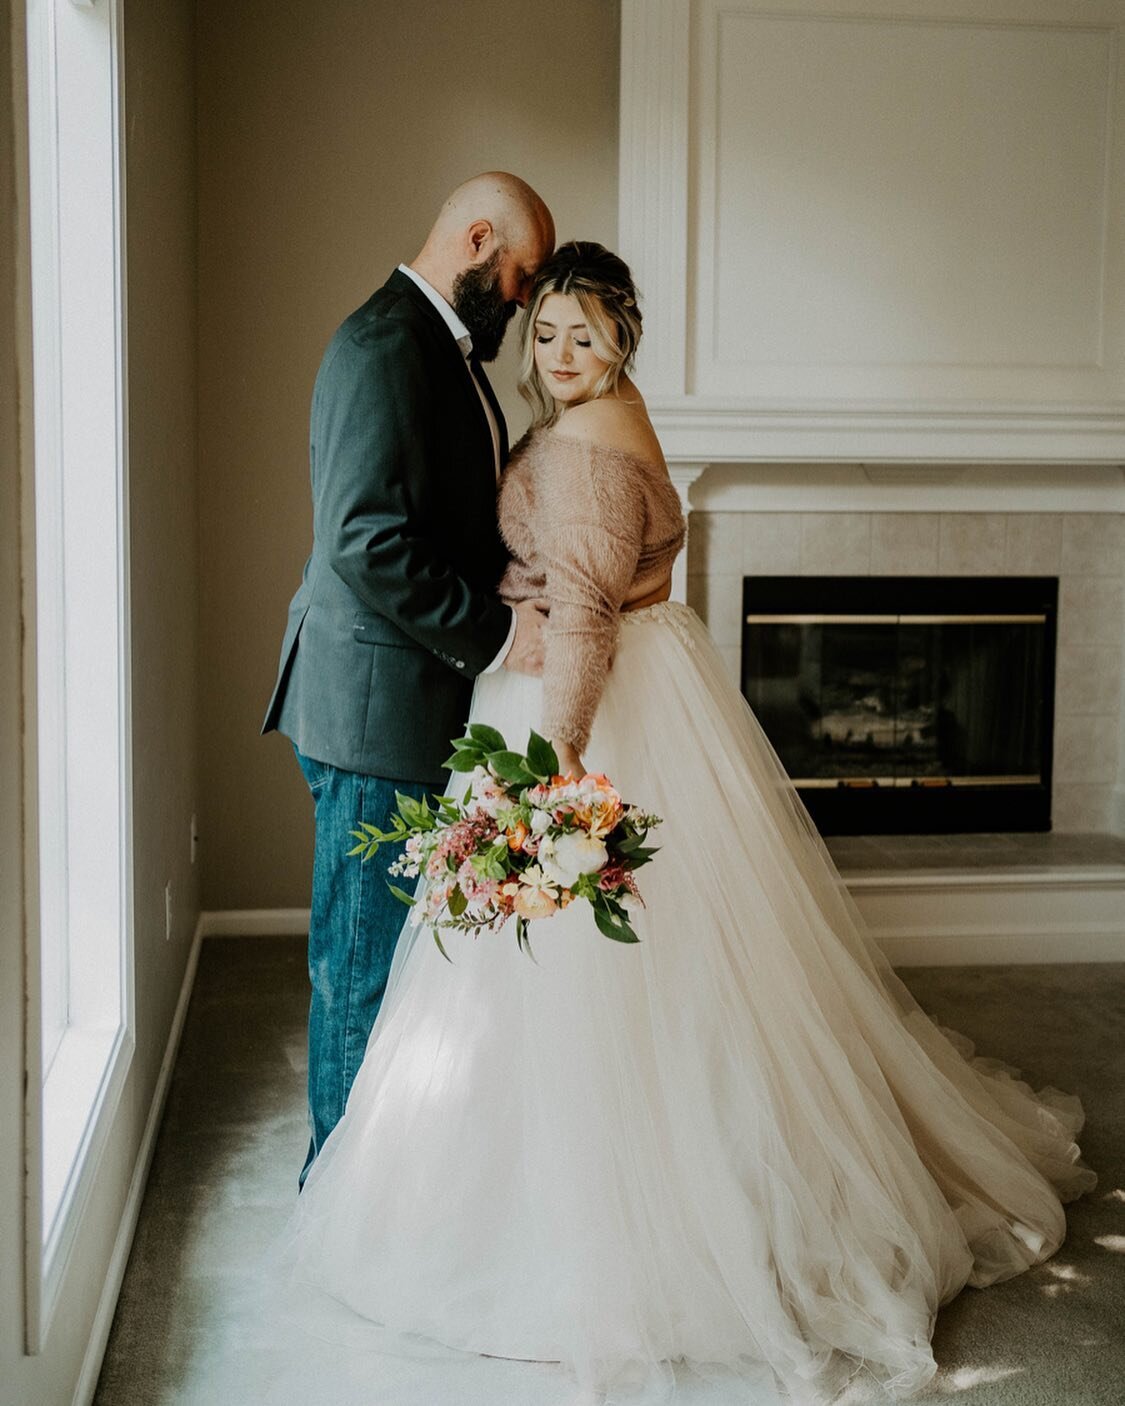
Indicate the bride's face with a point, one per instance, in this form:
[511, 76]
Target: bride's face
[567, 363]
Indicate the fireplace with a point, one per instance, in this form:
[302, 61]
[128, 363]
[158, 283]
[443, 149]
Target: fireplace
[907, 704]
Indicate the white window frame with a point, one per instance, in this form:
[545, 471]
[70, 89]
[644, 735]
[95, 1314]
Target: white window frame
[80, 1030]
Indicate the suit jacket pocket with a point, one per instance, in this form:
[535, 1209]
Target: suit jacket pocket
[377, 629]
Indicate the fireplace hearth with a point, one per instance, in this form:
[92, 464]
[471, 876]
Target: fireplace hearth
[907, 704]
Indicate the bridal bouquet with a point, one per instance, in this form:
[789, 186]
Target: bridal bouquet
[522, 841]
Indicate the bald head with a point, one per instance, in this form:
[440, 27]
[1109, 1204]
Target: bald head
[492, 216]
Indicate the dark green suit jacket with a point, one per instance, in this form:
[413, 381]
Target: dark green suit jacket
[397, 611]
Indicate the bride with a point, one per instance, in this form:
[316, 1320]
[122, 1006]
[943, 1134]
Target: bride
[739, 1142]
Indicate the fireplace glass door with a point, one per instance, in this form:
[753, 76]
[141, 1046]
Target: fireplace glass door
[905, 704]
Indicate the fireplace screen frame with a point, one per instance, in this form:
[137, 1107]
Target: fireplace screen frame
[929, 805]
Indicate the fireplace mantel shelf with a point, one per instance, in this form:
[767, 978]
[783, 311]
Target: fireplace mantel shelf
[772, 485]
[732, 433]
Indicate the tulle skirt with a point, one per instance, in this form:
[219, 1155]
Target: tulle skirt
[738, 1146]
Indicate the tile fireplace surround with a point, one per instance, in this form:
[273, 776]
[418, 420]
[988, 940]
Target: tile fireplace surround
[1086, 550]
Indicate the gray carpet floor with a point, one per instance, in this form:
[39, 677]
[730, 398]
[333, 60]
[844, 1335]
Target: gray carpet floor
[233, 1136]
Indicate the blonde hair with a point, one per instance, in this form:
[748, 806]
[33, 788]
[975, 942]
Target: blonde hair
[603, 286]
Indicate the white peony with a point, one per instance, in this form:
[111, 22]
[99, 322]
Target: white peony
[541, 821]
[575, 853]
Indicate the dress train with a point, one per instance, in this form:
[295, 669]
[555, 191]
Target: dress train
[740, 1145]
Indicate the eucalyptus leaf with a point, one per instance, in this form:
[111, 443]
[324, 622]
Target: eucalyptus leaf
[402, 895]
[457, 902]
[440, 948]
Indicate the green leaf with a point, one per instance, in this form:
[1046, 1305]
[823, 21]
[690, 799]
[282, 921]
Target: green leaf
[440, 948]
[402, 896]
[487, 737]
[416, 815]
[611, 925]
[585, 887]
[542, 758]
[457, 902]
[523, 941]
[510, 766]
[632, 845]
[462, 761]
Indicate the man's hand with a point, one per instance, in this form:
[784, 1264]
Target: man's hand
[526, 653]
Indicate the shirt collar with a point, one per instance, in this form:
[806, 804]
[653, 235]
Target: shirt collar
[456, 327]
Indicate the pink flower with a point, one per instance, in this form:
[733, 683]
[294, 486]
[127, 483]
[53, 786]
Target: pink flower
[477, 890]
[460, 840]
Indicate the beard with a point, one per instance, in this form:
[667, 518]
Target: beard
[477, 302]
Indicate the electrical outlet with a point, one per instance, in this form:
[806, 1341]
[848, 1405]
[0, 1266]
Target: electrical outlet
[168, 911]
[194, 839]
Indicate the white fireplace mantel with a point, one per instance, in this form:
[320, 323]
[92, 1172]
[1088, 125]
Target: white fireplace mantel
[841, 262]
[905, 487]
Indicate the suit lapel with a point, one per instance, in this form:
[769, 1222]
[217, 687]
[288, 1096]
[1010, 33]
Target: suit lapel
[457, 369]
[490, 396]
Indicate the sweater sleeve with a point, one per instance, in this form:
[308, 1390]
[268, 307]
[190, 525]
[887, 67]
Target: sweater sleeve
[590, 536]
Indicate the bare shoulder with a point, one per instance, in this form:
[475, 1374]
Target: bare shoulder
[612, 424]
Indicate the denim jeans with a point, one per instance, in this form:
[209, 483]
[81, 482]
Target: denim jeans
[353, 929]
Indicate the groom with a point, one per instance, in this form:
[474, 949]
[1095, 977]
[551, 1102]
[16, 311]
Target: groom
[397, 611]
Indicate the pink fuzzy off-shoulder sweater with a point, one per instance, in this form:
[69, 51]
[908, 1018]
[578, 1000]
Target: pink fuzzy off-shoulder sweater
[591, 528]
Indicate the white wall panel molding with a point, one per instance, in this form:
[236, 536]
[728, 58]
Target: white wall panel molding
[652, 211]
[888, 231]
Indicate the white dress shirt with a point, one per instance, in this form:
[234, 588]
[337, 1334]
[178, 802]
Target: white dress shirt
[462, 337]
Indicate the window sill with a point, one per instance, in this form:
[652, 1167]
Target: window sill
[80, 1099]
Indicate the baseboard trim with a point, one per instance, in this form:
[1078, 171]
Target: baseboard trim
[919, 918]
[255, 922]
[1117, 810]
[123, 1243]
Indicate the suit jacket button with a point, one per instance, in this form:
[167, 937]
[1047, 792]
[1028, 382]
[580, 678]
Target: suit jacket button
[460, 663]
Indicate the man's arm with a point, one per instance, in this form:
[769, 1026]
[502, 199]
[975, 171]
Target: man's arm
[374, 471]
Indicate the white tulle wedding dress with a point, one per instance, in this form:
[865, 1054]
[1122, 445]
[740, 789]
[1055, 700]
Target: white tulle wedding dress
[732, 1161]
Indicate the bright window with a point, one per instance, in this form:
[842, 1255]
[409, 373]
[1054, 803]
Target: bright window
[81, 631]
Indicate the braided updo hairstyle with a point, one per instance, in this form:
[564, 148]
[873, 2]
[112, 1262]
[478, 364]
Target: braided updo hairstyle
[604, 288]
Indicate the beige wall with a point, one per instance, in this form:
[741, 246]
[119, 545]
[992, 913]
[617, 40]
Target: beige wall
[328, 136]
[160, 173]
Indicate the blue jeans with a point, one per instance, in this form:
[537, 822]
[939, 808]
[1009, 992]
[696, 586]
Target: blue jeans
[353, 929]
